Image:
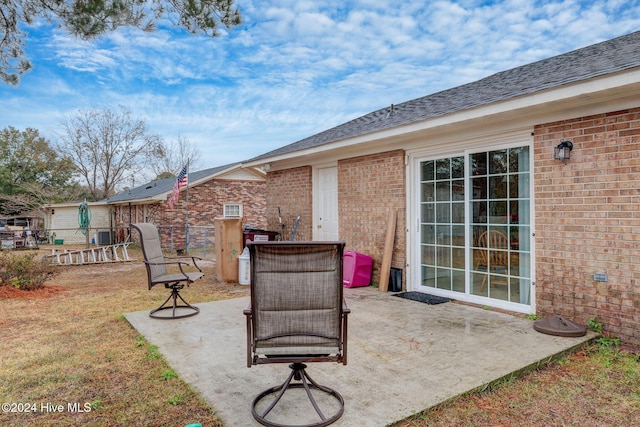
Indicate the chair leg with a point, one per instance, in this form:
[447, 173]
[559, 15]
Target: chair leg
[173, 297]
[298, 373]
[484, 281]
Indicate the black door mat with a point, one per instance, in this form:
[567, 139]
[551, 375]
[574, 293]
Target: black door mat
[422, 297]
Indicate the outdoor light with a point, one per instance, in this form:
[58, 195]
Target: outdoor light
[266, 167]
[563, 151]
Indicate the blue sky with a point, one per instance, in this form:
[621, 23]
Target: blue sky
[295, 67]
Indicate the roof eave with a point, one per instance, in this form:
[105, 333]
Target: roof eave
[73, 204]
[141, 201]
[570, 96]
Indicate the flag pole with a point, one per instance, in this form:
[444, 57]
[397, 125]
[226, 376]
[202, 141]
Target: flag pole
[187, 210]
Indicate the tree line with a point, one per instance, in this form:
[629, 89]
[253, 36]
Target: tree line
[98, 152]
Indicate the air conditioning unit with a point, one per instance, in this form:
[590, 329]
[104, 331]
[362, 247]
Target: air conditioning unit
[104, 238]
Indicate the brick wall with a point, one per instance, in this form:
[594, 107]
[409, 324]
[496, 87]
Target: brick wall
[368, 187]
[208, 199]
[206, 202]
[588, 221]
[291, 190]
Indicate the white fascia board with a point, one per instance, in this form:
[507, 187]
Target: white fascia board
[145, 201]
[221, 175]
[73, 204]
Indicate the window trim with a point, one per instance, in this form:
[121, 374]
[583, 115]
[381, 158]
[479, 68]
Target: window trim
[225, 206]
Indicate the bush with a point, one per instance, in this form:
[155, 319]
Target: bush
[23, 271]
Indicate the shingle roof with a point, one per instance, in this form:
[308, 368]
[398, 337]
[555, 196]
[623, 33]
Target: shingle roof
[155, 188]
[600, 59]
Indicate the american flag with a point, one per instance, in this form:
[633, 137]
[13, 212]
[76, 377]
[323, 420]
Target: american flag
[181, 181]
[183, 178]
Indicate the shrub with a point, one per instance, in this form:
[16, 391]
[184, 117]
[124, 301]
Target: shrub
[24, 271]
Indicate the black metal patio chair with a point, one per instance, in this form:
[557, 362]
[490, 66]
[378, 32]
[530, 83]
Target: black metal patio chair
[297, 315]
[156, 264]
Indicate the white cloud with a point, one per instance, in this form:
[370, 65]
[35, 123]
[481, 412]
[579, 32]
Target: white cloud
[298, 67]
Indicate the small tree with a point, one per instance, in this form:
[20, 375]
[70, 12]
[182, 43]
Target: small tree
[107, 147]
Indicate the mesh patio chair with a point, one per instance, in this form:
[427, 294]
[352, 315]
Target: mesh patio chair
[156, 264]
[297, 315]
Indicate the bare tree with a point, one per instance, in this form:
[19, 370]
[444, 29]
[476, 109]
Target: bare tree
[171, 157]
[108, 147]
[31, 198]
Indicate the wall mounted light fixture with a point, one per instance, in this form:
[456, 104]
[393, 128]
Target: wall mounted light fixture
[266, 167]
[563, 151]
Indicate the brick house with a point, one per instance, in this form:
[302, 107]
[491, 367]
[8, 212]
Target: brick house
[223, 191]
[486, 214]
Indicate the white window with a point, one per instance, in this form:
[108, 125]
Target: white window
[232, 210]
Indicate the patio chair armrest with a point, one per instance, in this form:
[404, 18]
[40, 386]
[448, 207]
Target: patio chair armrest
[178, 263]
[345, 309]
[167, 263]
[183, 257]
[195, 264]
[181, 263]
[158, 263]
[192, 258]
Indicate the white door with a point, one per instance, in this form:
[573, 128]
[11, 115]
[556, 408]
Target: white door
[326, 225]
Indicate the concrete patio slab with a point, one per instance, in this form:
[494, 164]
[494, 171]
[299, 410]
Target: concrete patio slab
[404, 356]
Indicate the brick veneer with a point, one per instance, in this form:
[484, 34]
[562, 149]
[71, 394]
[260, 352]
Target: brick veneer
[368, 187]
[588, 221]
[291, 190]
[587, 216]
[206, 202]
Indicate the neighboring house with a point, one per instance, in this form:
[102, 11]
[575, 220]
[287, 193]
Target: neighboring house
[224, 191]
[16, 229]
[61, 221]
[480, 158]
[31, 220]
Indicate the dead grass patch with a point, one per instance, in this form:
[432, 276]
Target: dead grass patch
[591, 388]
[68, 343]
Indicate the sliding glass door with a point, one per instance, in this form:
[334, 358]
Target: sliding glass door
[500, 224]
[442, 223]
[475, 228]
